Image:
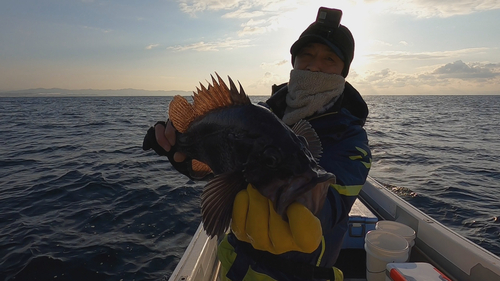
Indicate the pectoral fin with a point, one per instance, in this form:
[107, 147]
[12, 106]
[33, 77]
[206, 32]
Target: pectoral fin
[199, 170]
[304, 128]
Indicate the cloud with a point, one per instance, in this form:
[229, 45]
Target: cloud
[244, 14]
[252, 22]
[419, 8]
[274, 64]
[398, 55]
[461, 70]
[193, 6]
[240, 7]
[261, 86]
[262, 16]
[227, 44]
[248, 30]
[152, 46]
[447, 75]
[265, 16]
[434, 8]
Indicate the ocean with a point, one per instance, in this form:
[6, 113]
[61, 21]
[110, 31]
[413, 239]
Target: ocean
[81, 200]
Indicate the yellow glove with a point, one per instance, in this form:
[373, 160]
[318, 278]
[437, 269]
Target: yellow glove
[255, 221]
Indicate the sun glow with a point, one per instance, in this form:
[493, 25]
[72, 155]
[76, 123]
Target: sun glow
[356, 16]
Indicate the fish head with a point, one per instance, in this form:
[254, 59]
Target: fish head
[284, 170]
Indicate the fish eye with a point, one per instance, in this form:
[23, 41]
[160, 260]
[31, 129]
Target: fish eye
[271, 157]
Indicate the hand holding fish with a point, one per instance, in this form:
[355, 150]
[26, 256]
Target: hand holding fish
[161, 138]
[165, 137]
[255, 221]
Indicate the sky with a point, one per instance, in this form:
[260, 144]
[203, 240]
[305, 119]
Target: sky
[403, 47]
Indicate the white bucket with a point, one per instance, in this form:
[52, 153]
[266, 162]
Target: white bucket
[383, 247]
[400, 229]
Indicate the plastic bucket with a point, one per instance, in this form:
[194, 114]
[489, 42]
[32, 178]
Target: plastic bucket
[383, 247]
[400, 229]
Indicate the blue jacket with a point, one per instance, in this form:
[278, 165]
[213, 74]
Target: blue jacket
[347, 155]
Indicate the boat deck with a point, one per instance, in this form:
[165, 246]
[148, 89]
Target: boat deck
[435, 244]
[352, 258]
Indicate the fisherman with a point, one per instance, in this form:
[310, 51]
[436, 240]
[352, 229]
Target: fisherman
[316, 91]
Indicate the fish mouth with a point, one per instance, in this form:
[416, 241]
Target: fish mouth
[308, 189]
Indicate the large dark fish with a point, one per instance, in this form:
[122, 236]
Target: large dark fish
[240, 142]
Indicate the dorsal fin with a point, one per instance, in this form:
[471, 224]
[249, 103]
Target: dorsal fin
[237, 97]
[216, 95]
[304, 128]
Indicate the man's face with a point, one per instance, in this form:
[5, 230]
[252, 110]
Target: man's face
[318, 57]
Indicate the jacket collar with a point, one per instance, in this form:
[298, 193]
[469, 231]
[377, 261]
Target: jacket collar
[350, 100]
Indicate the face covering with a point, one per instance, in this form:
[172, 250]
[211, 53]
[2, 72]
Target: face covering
[311, 92]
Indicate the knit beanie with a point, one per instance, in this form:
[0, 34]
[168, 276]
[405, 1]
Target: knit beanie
[328, 30]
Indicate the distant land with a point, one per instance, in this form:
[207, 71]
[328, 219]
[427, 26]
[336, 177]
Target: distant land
[56, 92]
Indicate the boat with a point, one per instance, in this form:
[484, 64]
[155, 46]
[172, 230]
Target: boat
[454, 256]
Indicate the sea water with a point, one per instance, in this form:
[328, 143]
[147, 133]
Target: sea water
[80, 200]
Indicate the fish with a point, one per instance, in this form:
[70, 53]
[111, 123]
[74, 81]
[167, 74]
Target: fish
[223, 133]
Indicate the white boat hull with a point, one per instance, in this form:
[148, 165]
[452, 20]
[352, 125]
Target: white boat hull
[455, 256]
